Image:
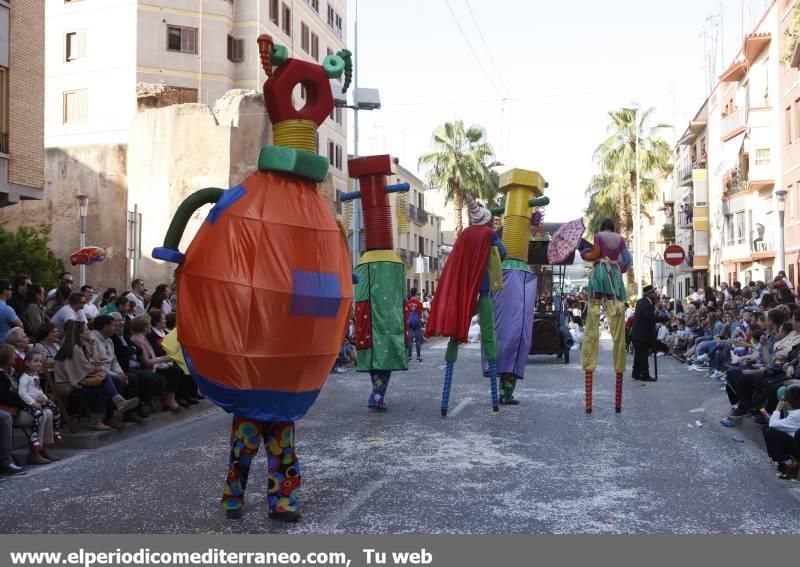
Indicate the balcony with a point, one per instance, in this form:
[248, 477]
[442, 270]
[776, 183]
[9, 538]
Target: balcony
[407, 257]
[732, 124]
[685, 218]
[734, 183]
[762, 243]
[418, 215]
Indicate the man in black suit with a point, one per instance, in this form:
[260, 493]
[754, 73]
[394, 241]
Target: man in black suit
[643, 334]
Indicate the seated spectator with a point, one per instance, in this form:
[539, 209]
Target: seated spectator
[18, 293]
[127, 385]
[474, 330]
[160, 300]
[152, 386]
[71, 312]
[36, 404]
[89, 309]
[59, 296]
[171, 320]
[748, 389]
[109, 297]
[8, 317]
[19, 340]
[780, 435]
[48, 342]
[12, 404]
[187, 390]
[140, 329]
[119, 305]
[77, 366]
[33, 313]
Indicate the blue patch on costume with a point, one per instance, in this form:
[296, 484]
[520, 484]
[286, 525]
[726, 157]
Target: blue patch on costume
[229, 197]
[315, 294]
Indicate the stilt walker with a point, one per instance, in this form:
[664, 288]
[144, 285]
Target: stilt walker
[266, 285]
[514, 305]
[606, 289]
[381, 334]
[472, 271]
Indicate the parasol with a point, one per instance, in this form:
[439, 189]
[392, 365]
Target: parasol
[565, 241]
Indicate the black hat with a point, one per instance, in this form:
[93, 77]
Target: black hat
[647, 289]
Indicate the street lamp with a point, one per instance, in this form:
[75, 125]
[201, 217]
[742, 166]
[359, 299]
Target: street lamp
[83, 206]
[780, 194]
[637, 222]
[363, 99]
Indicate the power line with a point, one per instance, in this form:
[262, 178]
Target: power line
[475, 55]
[488, 51]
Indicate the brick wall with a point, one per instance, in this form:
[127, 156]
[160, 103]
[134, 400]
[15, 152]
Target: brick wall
[26, 90]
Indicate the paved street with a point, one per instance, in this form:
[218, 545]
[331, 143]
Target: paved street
[541, 467]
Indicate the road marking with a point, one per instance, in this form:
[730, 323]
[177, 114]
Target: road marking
[358, 500]
[461, 405]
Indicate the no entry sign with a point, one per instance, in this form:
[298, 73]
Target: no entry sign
[674, 255]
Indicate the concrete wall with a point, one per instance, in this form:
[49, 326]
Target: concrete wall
[100, 173]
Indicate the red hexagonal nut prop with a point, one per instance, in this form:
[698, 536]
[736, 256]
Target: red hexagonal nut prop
[278, 92]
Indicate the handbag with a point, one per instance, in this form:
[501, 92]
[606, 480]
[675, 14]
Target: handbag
[94, 378]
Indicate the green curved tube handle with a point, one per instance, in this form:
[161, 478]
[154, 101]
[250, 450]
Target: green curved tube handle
[185, 211]
[347, 57]
[279, 55]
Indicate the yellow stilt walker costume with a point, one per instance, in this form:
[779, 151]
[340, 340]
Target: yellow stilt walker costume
[606, 289]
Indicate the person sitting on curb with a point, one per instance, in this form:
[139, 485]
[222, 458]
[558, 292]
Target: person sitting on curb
[780, 435]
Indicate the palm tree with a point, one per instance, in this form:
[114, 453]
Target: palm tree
[612, 191]
[461, 163]
[616, 158]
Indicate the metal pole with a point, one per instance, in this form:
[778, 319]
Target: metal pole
[637, 218]
[357, 203]
[781, 252]
[82, 269]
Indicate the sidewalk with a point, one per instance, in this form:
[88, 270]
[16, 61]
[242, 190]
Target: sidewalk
[85, 439]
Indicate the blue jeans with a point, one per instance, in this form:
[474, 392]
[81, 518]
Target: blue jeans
[98, 396]
[415, 335]
[718, 354]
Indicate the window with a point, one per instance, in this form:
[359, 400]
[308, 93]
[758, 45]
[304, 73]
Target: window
[796, 121]
[331, 16]
[314, 4]
[338, 115]
[185, 95]
[286, 16]
[274, 16]
[338, 25]
[728, 229]
[762, 156]
[305, 40]
[235, 49]
[315, 46]
[76, 106]
[4, 110]
[338, 164]
[181, 39]
[338, 202]
[788, 125]
[739, 227]
[331, 152]
[75, 47]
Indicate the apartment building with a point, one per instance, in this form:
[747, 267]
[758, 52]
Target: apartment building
[749, 160]
[789, 138]
[21, 96]
[419, 245]
[199, 48]
[691, 203]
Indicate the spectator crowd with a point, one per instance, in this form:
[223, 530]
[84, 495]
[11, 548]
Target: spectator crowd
[71, 352]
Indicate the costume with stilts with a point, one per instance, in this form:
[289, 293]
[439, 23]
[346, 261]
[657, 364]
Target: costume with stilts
[473, 269]
[381, 334]
[514, 305]
[607, 289]
[265, 286]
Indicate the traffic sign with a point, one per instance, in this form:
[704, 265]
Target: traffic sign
[674, 255]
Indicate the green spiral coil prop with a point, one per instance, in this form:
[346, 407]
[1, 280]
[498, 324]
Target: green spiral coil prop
[347, 56]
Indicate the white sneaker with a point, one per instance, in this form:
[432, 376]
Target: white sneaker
[339, 370]
[702, 358]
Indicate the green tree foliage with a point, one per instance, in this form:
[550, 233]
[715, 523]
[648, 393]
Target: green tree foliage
[612, 190]
[25, 251]
[462, 163]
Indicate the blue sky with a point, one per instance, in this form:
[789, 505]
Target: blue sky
[564, 66]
